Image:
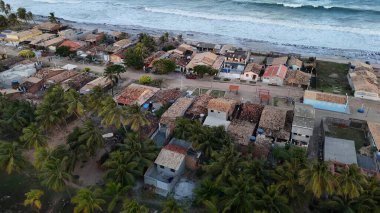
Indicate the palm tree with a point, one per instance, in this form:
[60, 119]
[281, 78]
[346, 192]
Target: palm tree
[33, 137]
[94, 102]
[33, 199]
[91, 136]
[42, 155]
[272, 201]
[288, 181]
[11, 158]
[360, 204]
[112, 76]
[21, 13]
[54, 175]
[2, 6]
[3, 21]
[121, 169]
[136, 118]
[351, 182]
[239, 195]
[141, 50]
[8, 9]
[144, 152]
[318, 179]
[52, 17]
[87, 201]
[114, 193]
[131, 206]
[111, 114]
[207, 190]
[224, 164]
[12, 19]
[74, 103]
[29, 16]
[171, 206]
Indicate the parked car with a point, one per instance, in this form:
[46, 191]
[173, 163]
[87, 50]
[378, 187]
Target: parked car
[191, 76]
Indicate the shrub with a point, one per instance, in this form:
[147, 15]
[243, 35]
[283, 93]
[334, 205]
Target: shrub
[145, 79]
[168, 47]
[26, 54]
[132, 59]
[226, 79]
[63, 51]
[164, 66]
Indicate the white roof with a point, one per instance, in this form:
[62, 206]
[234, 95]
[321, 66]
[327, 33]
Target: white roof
[17, 73]
[212, 121]
[170, 159]
[69, 67]
[340, 150]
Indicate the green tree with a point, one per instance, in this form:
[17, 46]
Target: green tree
[351, 182]
[145, 79]
[11, 159]
[3, 21]
[112, 114]
[164, 66]
[54, 174]
[74, 103]
[29, 16]
[112, 73]
[203, 69]
[52, 17]
[136, 118]
[63, 51]
[33, 199]
[33, 136]
[131, 206]
[271, 200]
[143, 152]
[134, 59]
[12, 19]
[42, 155]
[91, 137]
[114, 193]
[26, 54]
[207, 190]
[87, 201]
[171, 206]
[121, 168]
[148, 42]
[22, 14]
[93, 99]
[318, 179]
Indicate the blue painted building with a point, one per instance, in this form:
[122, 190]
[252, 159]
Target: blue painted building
[327, 101]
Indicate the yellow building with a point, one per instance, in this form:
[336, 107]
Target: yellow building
[21, 36]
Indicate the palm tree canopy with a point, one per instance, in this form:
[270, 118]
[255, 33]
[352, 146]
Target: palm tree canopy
[171, 206]
[351, 181]
[131, 206]
[74, 102]
[86, 201]
[136, 118]
[144, 152]
[33, 198]
[33, 137]
[91, 136]
[11, 158]
[114, 193]
[54, 175]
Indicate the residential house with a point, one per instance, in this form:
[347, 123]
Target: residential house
[251, 72]
[276, 123]
[225, 48]
[275, 75]
[57, 79]
[242, 131]
[73, 44]
[77, 81]
[205, 47]
[18, 73]
[364, 82]
[76, 34]
[207, 59]
[32, 85]
[49, 27]
[136, 94]
[102, 82]
[185, 51]
[41, 38]
[298, 78]
[16, 38]
[339, 150]
[198, 109]
[277, 61]
[294, 63]
[303, 124]
[234, 63]
[11, 93]
[220, 111]
[94, 38]
[51, 44]
[118, 57]
[116, 35]
[168, 167]
[121, 44]
[46, 73]
[326, 101]
[164, 97]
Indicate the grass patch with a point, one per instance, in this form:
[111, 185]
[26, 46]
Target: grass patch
[217, 93]
[332, 77]
[347, 133]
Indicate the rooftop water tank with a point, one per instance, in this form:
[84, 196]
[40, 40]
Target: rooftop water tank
[361, 110]
[252, 139]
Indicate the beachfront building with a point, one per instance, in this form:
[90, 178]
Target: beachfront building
[326, 101]
[234, 63]
[294, 63]
[363, 82]
[205, 47]
[251, 72]
[15, 38]
[275, 75]
[49, 27]
[303, 124]
[207, 59]
[277, 61]
[297, 78]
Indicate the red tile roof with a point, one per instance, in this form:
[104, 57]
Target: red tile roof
[72, 44]
[279, 71]
[175, 148]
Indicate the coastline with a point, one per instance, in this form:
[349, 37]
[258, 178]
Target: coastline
[328, 54]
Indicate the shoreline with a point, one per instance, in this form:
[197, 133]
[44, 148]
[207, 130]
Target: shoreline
[264, 47]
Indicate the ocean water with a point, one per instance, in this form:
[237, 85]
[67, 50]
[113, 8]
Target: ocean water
[337, 24]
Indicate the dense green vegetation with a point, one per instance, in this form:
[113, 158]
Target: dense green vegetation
[164, 66]
[201, 70]
[10, 18]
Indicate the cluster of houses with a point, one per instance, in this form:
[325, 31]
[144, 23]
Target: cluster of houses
[249, 123]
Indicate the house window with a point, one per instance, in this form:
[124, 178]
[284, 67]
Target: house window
[212, 110]
[246, 75]
[294, 133]
[172, 170]
[307, 136]
[161, 166]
